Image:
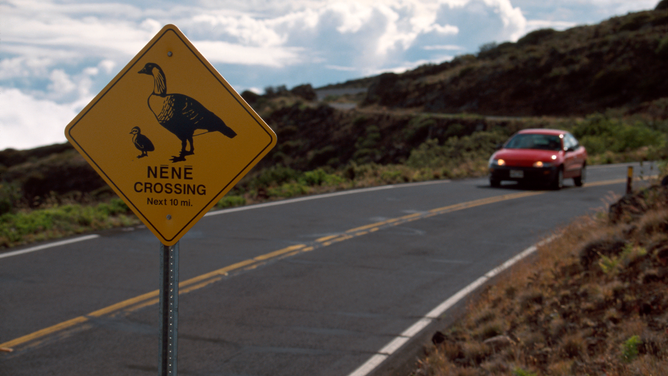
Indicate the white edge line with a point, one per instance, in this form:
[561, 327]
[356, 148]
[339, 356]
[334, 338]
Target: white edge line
[232, 210]
[50, 245]
[370, 365]
[396, 343]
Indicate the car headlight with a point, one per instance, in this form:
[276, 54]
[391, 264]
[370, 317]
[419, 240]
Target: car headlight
[496, 162]
[541, 164]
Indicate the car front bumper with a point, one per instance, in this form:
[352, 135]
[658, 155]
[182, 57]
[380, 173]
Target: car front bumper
[523, 174]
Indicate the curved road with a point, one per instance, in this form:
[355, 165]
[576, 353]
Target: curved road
[348, 283]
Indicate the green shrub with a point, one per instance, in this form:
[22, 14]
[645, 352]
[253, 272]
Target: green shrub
[609, 264]
[366, 149]
[10, 194]
[230, 201]
[272, 176]
[600, 134]
[287, 190]
[322, 156]
[366, 155]
[320, 177]
[250, 96]
[630, 349]
[463, 59]
[610, 78]
[114, 207]
[634, 22]
[521, 372]
[315, 177]
[291, 146]
[464, 71]
[417, 129]
[287, 130]
[455, 129]
[370, 140]
[429, 154]
[662, 49]
[61, 220]
[487, 47]
[535, 37]
[118, 206]
[359, 121]
[455, 150]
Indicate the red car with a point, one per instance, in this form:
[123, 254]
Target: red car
[539, 155]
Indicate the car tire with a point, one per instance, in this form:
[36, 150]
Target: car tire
[558, 181]
[495, 183]
[580, 180]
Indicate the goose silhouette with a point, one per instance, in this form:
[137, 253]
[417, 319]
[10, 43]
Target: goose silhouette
[181, 114]
[142, 143]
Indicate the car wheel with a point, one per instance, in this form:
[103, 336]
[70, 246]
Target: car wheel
[558, 181]
[495, 183]
[580, 180]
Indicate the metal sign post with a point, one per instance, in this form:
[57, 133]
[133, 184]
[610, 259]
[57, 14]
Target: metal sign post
[169, 309]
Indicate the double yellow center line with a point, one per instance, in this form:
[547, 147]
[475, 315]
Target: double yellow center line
[125, 307]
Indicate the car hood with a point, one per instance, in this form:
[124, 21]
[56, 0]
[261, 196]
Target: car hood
[526, 157]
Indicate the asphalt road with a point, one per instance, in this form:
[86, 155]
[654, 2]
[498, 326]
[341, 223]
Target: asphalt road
[312, 286]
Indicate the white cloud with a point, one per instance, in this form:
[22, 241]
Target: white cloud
[243, 30]
[447, 47]
[447, 29]
[340, 68]
[353, 16]
[63, 33]
[107, 66]
[580, 11]
[511, 17]
[21, 66]
[27, 122]
[545, 24]
[228, 53]
[61, 83]
[255, 90]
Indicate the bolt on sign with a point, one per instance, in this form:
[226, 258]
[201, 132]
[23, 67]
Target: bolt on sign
[169, 135]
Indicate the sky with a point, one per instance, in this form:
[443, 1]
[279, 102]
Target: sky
[56, 55]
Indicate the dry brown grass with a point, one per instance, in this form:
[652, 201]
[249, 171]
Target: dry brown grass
[593, 301]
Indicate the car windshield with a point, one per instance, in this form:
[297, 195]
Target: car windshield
[534, 141]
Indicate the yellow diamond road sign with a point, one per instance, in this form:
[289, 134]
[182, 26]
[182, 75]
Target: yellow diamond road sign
[170, 135]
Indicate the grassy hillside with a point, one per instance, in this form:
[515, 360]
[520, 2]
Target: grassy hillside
[51, 192]
[582, 70]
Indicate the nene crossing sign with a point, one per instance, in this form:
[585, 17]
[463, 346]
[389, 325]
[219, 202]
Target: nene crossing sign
[170, 135]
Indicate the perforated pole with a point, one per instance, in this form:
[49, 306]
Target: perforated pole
[169, 309]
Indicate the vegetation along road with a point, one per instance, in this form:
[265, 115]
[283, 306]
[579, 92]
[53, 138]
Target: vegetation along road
[347, 283]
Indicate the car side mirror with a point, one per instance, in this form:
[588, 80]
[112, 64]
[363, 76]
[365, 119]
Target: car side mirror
[499, 146]
[570, 149]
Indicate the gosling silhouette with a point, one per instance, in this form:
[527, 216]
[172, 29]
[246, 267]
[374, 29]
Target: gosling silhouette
[181, 114]
[142, 143]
